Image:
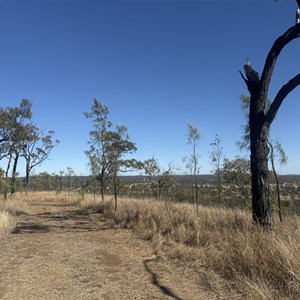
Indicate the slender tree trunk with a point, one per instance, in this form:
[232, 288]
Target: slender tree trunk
[159, 190]
[277, 183]
[102, 190]
[196, 193]
[195, 178]
[6, 177]
[219, 184]
[8, 166]
[102, 179]
[13, 176]
[27, 173]
[116, 191]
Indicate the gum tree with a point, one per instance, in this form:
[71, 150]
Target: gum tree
[15, 128]
[192, 161]
[119, 146]
[37, 149]
[260, 121]
[216, 156]
[107, 149]
[99, 144]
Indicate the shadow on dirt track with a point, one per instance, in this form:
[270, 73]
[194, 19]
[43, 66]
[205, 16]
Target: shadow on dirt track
[70, 220]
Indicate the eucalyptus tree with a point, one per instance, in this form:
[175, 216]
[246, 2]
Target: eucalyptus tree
[119, 146]
[15, 127]
[107, 148]
[37, 149]
[99, 144]
[260, 121]
[192, 161]
[157, 177]
[237, 173]
[216, 156]
[70, 176]
[19, 137]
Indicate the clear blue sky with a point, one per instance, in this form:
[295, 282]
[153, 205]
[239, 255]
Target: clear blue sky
[157, 64]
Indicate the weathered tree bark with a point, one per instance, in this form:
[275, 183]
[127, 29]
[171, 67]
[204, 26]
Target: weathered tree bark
[260, 123]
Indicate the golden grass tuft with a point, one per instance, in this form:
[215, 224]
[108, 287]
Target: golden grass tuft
[91, 202]
[69, 198]
[9, 210]
[7, 222]
[234, 257]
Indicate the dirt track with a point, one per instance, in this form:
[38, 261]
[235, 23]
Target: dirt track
[58, 252]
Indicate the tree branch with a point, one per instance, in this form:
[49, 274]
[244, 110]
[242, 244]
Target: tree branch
[244, 78]
[291, 34]
[283, 92]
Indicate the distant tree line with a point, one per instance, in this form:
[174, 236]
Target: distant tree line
[109, 154]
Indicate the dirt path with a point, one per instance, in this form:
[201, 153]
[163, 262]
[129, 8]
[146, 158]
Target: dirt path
[58, 252]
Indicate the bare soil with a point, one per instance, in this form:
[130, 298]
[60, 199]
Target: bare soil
[60, 252]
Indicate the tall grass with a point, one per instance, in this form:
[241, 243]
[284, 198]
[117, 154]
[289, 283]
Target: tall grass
[9, 210]
[7, 222]
[233, 256]
[230, 255]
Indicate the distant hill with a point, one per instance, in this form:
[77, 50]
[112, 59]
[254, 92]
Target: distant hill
[203, 178]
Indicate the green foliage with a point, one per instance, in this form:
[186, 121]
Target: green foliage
[237, 173]
[159, 181]
[19, 137]
[108, 148]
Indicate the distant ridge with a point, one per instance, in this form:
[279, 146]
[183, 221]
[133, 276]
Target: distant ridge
[202, 178]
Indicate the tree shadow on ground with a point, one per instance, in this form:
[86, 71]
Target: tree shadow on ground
[63, 221]
[154, 278]
[54, 204]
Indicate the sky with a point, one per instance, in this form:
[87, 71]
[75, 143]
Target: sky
[158, 65]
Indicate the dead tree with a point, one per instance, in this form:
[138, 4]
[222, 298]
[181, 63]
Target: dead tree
[260, 121]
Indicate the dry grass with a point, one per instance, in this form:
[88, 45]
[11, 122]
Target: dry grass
[9, 210]
[7, 222]
[90, 202]
[231, 256]
[71, 198]
[235, 258]
[16, 205]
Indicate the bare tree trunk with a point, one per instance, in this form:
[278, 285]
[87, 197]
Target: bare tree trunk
[260, 122]
[260, 177]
